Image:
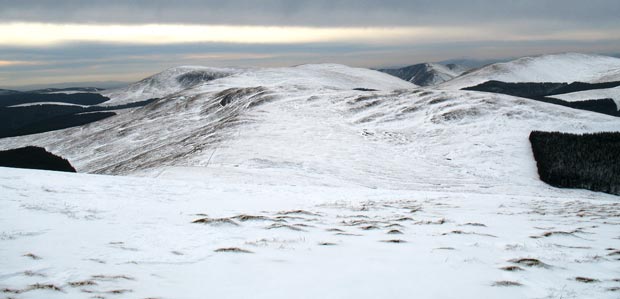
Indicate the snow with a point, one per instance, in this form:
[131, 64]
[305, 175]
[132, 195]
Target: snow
[427, 74]
[444, 72]
[330, 171]
[136, 235]
[609, 93]
[45, 103]
[165, 83]
[567, 67]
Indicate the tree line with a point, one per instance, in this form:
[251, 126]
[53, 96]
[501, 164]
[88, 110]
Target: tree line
[586, 161]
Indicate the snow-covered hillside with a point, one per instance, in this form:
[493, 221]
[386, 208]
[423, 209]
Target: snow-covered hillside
[45, 103]
[308, 122]
[568, 67]
[315, 181]
[167, 82]
[427, 74]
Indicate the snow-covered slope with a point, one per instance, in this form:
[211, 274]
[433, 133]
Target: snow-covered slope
[308, 123]
[79, 236]
[568, 67]
[165, 83]
[295, 177]
[427, 74]
[45, 103]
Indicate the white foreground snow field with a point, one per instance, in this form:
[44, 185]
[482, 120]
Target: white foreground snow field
[305, 188]
[83, 236]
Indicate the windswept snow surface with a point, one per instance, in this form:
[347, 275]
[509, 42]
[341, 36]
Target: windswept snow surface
[123, 237]
[303, 187]
[568, 67]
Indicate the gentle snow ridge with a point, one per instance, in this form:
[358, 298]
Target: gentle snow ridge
[568, 67]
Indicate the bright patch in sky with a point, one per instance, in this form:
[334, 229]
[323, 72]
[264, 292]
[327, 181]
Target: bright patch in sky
[43, 34]
[39, 34]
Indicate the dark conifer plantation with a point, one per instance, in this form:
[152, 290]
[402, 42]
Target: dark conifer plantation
[33, 157]
[544, 92]
[588, 161]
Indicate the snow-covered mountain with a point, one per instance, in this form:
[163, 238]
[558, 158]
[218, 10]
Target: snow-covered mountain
[271, 178]
[427, 74]
[567, 67]
[299, 121]
[167, 82]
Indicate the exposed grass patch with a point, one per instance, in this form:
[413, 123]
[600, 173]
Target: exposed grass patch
[233, 250]
[445, 248]
[614, 253]
[586, 279]
[33, 274]
[460, 232]
[216, 221]
[474, 224]
[32, 256]
[530, 262]
[244, 218]
[512, 268]
[506, 283]
[117, 292]
[286, 226]
[555, 233]
[396, 241]
[369, 227]
[82, 283]
[429, 222]
[298, 212]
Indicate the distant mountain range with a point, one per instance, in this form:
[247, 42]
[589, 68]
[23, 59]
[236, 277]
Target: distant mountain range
[69, 85]
[427, 74]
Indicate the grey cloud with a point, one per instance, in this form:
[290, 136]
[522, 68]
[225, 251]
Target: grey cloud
[602, 13]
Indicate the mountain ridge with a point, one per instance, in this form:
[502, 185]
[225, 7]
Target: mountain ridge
[427, 74]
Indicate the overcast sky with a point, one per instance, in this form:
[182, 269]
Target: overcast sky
[76, 40]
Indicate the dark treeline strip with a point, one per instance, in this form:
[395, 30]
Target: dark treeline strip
[604, 106]
[534, 89]
[588, 161]
[542, 92]
[581, 86]
[59, 122]
[32, 157]
[18, 121]
[524, 90]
